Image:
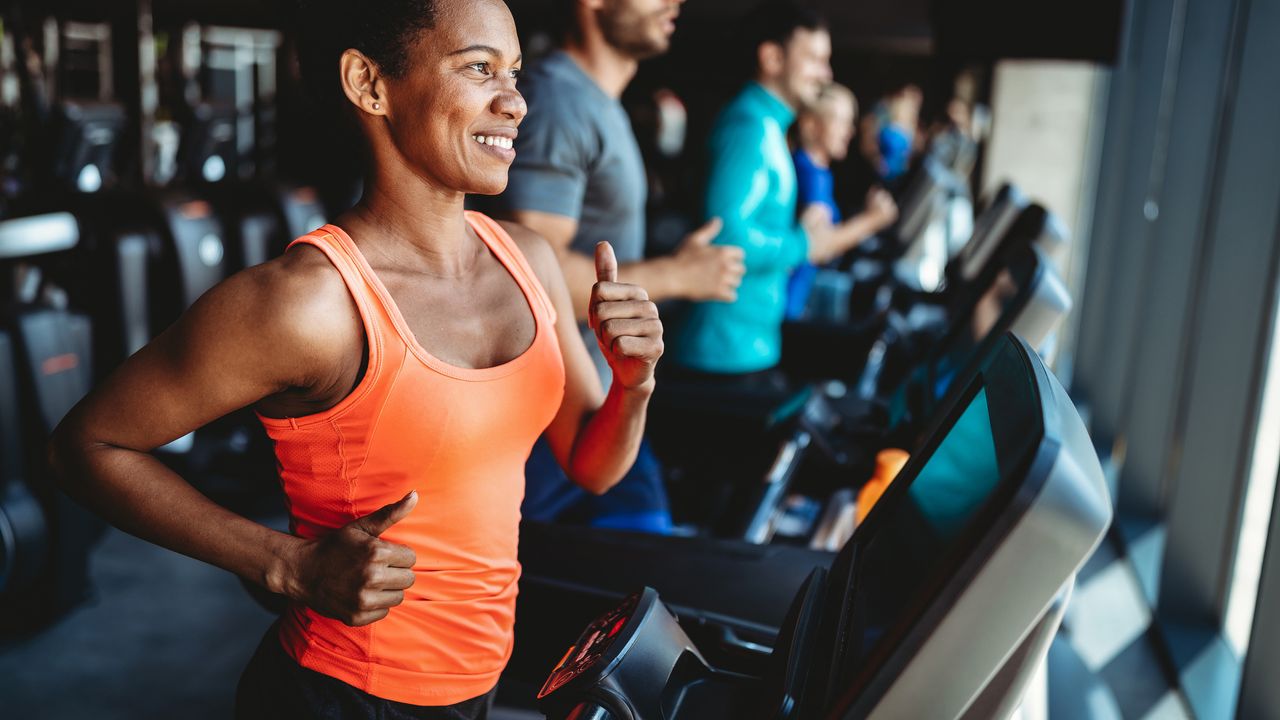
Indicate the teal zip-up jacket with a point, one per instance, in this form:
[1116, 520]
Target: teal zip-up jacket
[751, 186]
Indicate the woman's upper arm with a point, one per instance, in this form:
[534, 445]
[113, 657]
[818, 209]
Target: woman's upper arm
[249, 337]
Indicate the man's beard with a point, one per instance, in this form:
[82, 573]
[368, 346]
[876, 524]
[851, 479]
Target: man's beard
[623, 31]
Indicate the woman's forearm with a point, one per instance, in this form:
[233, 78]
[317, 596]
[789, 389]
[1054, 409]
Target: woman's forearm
[606, 446]
[140, 495]
[841, 238]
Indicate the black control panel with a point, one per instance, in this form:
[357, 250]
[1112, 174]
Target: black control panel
[589, 650]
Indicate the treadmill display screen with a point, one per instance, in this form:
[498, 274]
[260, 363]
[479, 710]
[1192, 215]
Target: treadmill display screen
[590, 648]
[900, 561]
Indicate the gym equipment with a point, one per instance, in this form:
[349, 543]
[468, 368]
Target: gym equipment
[826, 345]
[718, 441]
[742, 586]
[967, 557]
[45, 368]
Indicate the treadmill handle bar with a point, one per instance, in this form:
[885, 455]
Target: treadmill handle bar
[777, 481]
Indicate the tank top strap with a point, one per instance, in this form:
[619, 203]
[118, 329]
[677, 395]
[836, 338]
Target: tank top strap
[497, 238]
[373, 317]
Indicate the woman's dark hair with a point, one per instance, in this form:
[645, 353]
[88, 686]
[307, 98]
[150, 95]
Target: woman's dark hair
[384, 30]
[776, 21]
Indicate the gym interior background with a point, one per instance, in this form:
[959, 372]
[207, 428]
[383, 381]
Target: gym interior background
[161, 144]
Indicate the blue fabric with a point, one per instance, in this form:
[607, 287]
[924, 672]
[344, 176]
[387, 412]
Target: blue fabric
[895, 148]
[638, 502]
[799, 288]
[814, 184]
[751, 187]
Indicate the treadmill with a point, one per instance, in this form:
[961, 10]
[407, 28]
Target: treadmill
[752, 457]
[882, 303]
[46, 366]
[698, 572]
[765, 432]
[1027, 298]
[939, 605]
[731, 586]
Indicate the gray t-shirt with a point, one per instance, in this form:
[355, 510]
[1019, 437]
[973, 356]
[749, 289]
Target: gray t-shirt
[577, 156]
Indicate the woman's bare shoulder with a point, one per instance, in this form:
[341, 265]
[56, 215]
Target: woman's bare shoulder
[297, 302]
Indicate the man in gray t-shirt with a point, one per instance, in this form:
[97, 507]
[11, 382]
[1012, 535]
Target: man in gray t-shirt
[577, 179]
[577, 161]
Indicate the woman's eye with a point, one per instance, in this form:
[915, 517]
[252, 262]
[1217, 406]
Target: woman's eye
[480, 67]
[516, 72]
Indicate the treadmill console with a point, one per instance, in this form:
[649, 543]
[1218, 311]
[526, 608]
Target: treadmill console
[637, 662]
[587, 654]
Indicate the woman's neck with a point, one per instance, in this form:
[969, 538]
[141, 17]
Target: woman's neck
[817, 155]
[411, 224]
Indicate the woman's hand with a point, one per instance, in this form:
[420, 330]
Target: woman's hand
[881, 208]
[350, 574]
[626, 324]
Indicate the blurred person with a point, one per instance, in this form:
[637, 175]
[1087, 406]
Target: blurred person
[897, 137]
[403, 360]
[823, 132]
[751, 187]
[578, 178]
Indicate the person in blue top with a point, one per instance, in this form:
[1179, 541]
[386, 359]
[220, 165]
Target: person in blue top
[751, 187]
[822, 132]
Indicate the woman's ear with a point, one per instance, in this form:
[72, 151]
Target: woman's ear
[362, 83]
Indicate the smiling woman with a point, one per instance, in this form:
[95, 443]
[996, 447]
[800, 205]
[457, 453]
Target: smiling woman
[403, 360]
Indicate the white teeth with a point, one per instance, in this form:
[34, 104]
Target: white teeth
[494, 141]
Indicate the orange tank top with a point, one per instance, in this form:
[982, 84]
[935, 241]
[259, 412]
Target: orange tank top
[459, 437]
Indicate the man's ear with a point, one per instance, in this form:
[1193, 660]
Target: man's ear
[362, 82]
[769, 58]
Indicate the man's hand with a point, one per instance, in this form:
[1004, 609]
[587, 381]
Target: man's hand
[350, 574]
[626, 324]
[710, 272]
[881, 208]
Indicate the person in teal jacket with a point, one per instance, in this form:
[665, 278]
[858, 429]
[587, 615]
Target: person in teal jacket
[751, 186]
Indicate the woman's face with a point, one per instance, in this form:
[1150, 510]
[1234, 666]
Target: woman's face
[453, 114]
[835, 126]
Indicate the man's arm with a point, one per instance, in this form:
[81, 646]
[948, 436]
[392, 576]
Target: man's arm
[697, 270]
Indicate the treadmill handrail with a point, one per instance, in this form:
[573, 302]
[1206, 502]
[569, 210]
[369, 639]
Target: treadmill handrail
[38, 235]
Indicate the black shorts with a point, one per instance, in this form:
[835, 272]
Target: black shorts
[274, 686]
